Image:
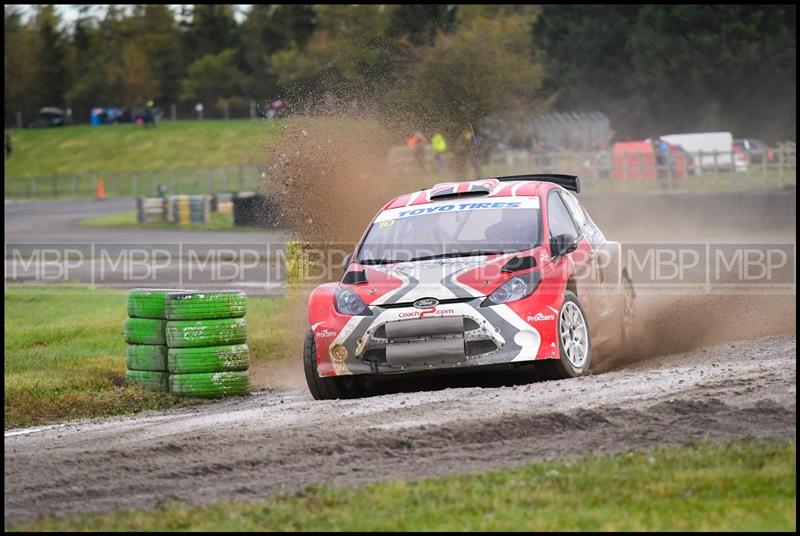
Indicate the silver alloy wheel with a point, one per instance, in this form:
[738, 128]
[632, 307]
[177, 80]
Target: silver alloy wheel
[574, 335]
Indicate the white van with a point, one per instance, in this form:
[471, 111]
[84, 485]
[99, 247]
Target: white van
[703, 146]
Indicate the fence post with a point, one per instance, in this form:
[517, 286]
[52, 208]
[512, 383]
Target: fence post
[716, 167]
[173, 112]
[781, 160]
[19, 119]
[32, 185]
[764, 171]
[226, 110]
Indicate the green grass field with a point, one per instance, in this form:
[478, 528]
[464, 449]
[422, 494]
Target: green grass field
[64, 355]
[83, 149]
[218, 221]
[746, 485]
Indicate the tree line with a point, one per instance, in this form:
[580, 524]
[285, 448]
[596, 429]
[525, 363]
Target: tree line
[651, 69]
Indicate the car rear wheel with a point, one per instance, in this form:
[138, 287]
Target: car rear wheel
[327, 388]
[574, 341]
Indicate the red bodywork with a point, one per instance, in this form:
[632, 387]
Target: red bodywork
[535, 316]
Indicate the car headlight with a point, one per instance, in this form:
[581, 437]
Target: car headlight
[350, 303]
[516, 288]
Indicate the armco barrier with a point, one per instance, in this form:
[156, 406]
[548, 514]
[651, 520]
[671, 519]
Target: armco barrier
[151, 209]
[252, 209]
[186, 209]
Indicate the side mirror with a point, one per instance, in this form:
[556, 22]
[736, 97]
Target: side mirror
[564, 243]
[346, 261]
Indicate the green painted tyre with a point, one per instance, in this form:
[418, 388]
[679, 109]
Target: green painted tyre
[148, 302]
[146, 357]
[145, 331]
[193, 333]
[156, 381]
[208, 359]
[205, 305]
[209, 384]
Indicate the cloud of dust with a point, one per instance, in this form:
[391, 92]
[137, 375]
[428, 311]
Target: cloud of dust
[329, 175]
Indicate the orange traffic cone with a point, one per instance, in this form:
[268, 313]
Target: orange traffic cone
[101, 190]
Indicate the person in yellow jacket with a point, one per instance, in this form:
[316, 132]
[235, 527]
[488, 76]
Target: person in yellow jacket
[439, 146]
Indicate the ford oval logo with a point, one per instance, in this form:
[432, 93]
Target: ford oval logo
[424, 303]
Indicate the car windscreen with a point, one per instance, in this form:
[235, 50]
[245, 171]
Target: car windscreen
[452, 229]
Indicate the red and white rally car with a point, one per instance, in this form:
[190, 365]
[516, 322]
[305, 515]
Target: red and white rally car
[487, 273]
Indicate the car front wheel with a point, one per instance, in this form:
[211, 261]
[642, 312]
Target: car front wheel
[574, 341]
[327, 388]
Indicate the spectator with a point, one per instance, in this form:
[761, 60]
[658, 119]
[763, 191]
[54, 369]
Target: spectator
[150, 114]
[416, 142]
[439, 146]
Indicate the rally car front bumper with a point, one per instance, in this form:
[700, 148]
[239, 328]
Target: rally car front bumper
[397, 339]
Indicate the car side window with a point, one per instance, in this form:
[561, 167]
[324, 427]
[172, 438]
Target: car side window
[578, 215]
[558, 217]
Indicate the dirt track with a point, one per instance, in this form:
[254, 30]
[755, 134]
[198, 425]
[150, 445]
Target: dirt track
[277, 441]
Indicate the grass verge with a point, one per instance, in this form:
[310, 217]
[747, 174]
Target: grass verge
[131, 148]
[743, 485]
[64, 355]
[218, 221]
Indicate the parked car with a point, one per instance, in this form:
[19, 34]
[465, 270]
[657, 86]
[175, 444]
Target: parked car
[48, 117]
[483, 274]
[755, 150]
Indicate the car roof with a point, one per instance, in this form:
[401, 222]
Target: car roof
[473, 190]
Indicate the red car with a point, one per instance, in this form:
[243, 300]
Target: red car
[491, 273]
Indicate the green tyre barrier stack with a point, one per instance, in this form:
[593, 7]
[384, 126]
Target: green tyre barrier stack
[208, 359]
[210, 384]
[156, 381]
[205, 305]
[206, 334]
[148, 357]
[147, 302]
[145, 333]
[217, 332]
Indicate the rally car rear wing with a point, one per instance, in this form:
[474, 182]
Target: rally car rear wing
[570, 182]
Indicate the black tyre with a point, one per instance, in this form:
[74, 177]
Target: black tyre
[146, 357]
[155, 381]
[205, 305]
[574, 341]
[209, 384]
[327, 388]
[192, 333]
[208, 359]
[147, 302]
[144, 331]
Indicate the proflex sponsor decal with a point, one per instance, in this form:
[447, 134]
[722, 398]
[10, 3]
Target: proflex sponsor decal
[458, 206]
[325, 333]
[540, 317]
[431, 311]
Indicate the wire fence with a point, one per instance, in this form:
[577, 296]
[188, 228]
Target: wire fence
[599, 170]
[145, 183]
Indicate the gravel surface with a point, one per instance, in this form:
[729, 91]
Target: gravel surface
[279, 440]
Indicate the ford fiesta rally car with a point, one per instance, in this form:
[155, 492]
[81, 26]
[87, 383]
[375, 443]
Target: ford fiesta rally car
[487, 273]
